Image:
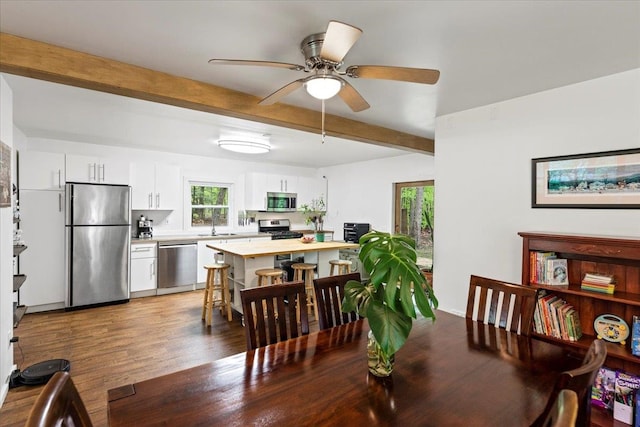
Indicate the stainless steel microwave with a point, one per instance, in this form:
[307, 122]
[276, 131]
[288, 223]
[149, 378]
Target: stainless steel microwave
[281, 202]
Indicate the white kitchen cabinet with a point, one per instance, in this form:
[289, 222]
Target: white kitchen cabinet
[143, 267]
[282, 183]
[40, 170]
[94, 169]
[42, 225]
[206, 257]
[310, 188]
[155, 186]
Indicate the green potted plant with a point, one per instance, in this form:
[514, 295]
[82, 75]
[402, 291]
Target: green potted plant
[314, 214]
[389, 300]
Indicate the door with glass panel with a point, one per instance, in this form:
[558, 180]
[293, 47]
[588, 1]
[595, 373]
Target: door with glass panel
[414, 216]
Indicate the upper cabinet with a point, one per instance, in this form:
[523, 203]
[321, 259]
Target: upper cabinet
[155, 186]
[310, 188]
[282, 183]
[93, 169]
[41, 171]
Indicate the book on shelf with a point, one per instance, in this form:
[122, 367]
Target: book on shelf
[557, 272]
[597, 282]
[556, 318]
[626, 389]
[603, 389]
[635, 336]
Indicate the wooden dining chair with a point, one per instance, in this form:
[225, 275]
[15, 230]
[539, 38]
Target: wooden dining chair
[329, 294]
[59, 404]
[502, 304]
[580, 381]
[271, 313]
[564, 411]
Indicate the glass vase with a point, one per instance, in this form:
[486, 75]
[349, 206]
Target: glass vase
[380, 364]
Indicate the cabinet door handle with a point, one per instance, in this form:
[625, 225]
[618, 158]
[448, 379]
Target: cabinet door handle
[150, 200]
[101, 166]
[158, 200]
[142, 250]
[153, 269]
[92, 171]
[59, 178]
[59, 202]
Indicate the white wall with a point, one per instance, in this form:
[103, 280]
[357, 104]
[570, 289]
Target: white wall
[6, 250]
[483, 185]
[363, 192]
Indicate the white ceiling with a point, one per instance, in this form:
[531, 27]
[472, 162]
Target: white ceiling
[486, 51]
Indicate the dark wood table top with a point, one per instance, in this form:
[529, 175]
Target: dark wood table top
[451, 372]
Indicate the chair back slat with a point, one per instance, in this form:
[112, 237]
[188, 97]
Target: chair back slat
[272, 313]
[502, 304]
[329, 295]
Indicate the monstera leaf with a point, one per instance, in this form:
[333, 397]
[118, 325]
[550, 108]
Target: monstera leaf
[395, 288]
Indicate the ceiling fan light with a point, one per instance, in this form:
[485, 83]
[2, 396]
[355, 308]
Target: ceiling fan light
[323, 87]
[244, 146]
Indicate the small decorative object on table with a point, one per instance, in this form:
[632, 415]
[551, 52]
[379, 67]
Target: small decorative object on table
[307, 239]
[387, 301]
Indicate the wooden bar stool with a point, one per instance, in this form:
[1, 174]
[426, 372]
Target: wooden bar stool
[269, 276]
[305, 271]
[343, 265]
[217, 284]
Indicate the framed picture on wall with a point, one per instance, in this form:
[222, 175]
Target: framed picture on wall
[609, 180]
[5, 175]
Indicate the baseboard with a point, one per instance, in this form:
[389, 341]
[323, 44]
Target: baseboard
[5, 385]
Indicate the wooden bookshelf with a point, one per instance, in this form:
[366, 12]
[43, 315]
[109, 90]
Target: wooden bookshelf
[618, 256]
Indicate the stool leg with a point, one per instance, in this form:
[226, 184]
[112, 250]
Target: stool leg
[204, 298]
[209, 292]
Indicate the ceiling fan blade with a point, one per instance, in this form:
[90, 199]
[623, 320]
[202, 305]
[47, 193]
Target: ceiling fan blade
[352, 98]
[415, 75]
[294, 67]
[338, 39]
[282, 92]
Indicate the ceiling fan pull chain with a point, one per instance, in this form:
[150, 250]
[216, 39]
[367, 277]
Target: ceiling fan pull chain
[323, 134]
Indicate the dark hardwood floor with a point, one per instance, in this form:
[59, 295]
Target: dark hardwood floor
[120, 344]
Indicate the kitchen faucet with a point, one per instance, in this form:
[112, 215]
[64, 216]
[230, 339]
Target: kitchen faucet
[213, 224]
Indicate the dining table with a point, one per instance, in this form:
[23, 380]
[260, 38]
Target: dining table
[452, 371]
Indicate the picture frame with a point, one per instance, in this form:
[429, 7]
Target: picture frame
[5, 175]
[603, 180]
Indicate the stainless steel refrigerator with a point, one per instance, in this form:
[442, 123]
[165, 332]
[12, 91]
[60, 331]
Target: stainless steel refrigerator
[98, 241]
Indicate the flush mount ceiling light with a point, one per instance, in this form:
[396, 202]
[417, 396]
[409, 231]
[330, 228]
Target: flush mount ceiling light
[245, 146]
[323, 87]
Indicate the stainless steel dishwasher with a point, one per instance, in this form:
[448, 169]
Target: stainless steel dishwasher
[177, 263]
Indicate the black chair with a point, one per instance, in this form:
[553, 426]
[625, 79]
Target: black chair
[271, 313]
[514, 313]
[329, 294]
[59, 404]
[580, 381]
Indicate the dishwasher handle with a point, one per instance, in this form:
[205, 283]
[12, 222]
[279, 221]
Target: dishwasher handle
[180, 245]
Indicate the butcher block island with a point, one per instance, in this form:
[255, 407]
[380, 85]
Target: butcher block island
[247, 257]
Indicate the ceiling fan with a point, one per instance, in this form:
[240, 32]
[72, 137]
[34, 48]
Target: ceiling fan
[324, 54]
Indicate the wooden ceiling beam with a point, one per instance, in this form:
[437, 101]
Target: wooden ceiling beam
[44, 61]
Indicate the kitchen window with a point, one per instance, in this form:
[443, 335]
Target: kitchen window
[209, 204]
